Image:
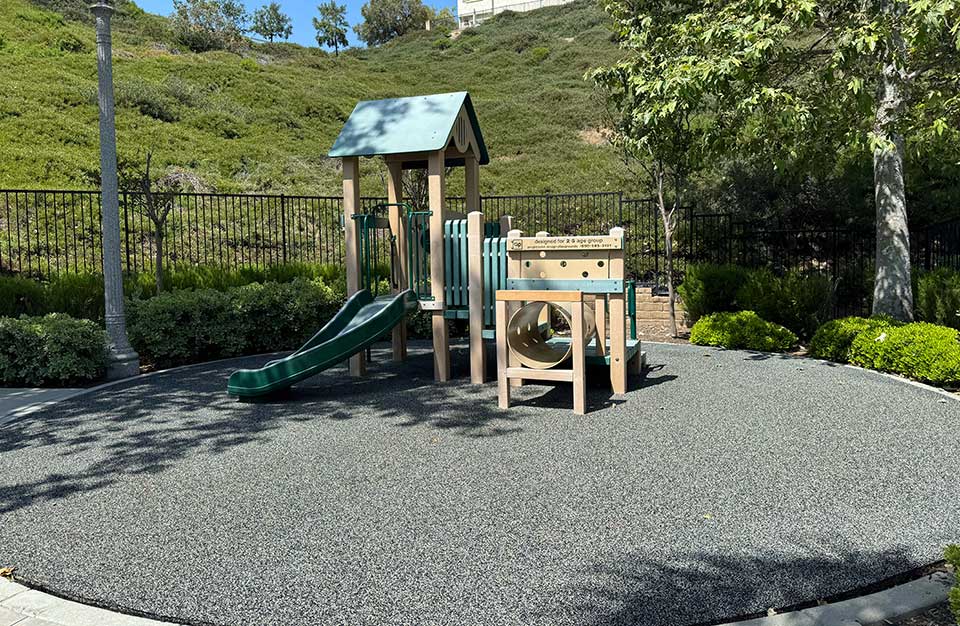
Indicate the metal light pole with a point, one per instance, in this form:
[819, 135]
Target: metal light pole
[123, 361]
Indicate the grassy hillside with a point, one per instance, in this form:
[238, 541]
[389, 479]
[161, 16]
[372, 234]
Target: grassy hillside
[264, 119]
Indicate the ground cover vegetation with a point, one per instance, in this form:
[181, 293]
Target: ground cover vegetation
[953, 558]
[259, 117]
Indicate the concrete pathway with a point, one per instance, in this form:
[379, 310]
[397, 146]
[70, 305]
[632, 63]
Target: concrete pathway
[15, 402]
[22, 606]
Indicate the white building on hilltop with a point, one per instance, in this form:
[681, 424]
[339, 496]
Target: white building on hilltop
[473, 12]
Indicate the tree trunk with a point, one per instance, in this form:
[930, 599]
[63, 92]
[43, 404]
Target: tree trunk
[671, 293]
[668, 250]
[893, 289]
[159, 260]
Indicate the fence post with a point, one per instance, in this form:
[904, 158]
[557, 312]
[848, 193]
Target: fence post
[126, 230]
[547, 226]
[283, 227]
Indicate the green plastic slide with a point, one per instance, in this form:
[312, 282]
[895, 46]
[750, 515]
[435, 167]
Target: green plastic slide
[361, 322]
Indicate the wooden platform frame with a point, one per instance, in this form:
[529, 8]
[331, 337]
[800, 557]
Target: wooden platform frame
[508, 370]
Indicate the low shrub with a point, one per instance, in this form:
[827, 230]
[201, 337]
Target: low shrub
[708, 288]
[938, 297]
[741, 330]
[78, 295]
[921, 351]
[833, 340]
[21, 296]
[952, 554]
[51, 350]
[540, 54]
[183, 327]
[797, 301]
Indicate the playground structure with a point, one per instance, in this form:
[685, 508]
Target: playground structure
[452, 265]
[564, 274]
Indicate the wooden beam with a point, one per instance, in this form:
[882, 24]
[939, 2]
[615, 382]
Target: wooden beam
[351, 204]
[535, 295]
[437, 192]
[528, 373]
[398, 223]
[478, 356]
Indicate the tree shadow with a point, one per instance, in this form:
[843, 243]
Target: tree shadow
[698, 588]
[148, 425]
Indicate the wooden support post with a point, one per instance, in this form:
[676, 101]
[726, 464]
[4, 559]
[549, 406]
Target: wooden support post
[441, 337]
[399, 247]
[478, 356]
[618, 323]
[506, 225]
[579, 359]
[513, 271]
[503, 351]
[351, 203]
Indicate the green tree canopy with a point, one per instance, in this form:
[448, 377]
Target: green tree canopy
[332, 25]
[384, 20]
[270, 22]
[443, 20]
[792, 80]
[203, 25]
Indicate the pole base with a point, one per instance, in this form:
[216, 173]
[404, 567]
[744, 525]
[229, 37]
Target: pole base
[124, 365]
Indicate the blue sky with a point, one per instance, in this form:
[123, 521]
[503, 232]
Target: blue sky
[301, 11]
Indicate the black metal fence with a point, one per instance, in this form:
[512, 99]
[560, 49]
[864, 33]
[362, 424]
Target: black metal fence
[45, 233]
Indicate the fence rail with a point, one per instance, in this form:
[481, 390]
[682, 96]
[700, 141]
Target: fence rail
[50, 232]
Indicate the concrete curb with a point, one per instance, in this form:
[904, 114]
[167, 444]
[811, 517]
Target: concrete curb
[22, 606]
[878, 608]
[27, 409]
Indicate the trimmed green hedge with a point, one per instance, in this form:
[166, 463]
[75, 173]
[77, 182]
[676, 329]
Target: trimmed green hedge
[81, 295]
[741, 330]
[833, 340]
[799, 302]
[51, 350]
[182, 327]
[922, 351]
[952, 554]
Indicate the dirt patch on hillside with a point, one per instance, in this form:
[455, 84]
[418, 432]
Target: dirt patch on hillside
[594, 136]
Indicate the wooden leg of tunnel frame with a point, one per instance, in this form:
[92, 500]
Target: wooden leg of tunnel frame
[512, 360]
[579, 360]
[503, 385]
[618, 343]
[600, 314]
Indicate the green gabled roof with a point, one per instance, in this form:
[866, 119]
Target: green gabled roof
[398, 125]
